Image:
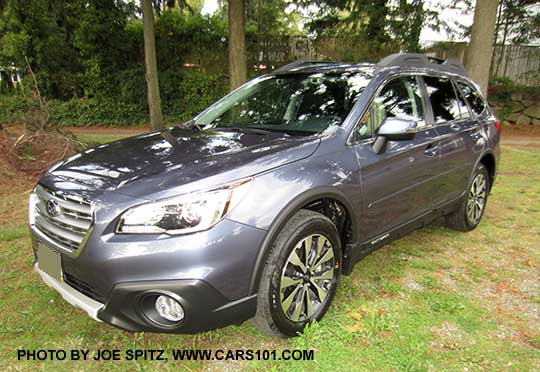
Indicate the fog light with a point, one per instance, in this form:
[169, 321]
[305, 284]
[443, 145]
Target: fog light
[168, 308]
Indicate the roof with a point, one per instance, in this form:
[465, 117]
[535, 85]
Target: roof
[415, 60]
[422, 61]
[324, 66]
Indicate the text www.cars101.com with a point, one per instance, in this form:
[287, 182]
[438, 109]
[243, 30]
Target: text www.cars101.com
[243, 354]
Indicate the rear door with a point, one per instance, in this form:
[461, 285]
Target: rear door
[457, 134]
[397, 183]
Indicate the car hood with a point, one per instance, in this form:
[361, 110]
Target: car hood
[148, 165]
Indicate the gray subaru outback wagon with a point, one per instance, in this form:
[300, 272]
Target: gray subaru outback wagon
[256, 207]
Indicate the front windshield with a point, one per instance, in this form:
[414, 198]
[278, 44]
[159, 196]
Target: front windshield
[299, 103]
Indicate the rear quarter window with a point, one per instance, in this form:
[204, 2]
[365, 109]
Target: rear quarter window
[477, 104]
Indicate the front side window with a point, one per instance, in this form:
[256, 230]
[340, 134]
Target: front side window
[444, 101]
[400, 98]
[475, 101]
[296, 103]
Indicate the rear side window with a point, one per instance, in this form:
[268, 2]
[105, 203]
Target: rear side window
[400, 98]
[475, 101]
[443, 98]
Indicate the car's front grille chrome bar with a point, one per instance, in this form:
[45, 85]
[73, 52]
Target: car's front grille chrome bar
[64, 219]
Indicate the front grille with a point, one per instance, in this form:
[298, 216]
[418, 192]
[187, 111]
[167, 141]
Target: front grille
[84, 288]
[69, 224]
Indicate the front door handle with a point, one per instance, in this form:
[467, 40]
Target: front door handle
[431, 150]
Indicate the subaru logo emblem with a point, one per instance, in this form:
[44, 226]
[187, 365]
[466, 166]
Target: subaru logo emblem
[53, 209]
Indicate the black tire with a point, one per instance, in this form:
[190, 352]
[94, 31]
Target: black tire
[461, 219]
[304, 227]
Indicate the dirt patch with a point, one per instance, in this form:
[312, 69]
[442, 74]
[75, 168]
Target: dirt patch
[521, 130]
[521, 141]
[34, 153]
[413, 285]
[449, 336]
[109, 130]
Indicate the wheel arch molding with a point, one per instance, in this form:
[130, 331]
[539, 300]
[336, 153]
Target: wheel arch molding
[489, 160]
[306, 199]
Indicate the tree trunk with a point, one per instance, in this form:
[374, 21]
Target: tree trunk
[478, 57]
[150, 61]
[237, 44]
[498, 22]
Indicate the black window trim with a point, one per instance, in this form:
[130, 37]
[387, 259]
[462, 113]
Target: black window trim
[477, 92]
[446, 122]
[459, 92]
[352, 141]
[430, 118]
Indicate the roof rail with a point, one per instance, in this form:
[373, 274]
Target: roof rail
[421, 60]
[296, 65]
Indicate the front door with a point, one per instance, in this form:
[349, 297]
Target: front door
[397, 184]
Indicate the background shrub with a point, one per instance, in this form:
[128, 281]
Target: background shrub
[122, 99]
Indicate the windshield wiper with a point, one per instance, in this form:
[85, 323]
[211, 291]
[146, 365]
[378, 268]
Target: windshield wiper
[245, 130]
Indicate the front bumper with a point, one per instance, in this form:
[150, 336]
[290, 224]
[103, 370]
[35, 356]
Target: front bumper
[205, 308]
[209, 272]
[74, 297]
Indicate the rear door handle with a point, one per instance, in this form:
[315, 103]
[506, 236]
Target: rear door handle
[476, 135]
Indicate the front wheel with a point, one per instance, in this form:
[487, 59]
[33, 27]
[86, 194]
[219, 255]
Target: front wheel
[471, 209]
[301, 275]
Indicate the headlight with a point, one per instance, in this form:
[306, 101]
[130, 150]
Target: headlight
[183, 214]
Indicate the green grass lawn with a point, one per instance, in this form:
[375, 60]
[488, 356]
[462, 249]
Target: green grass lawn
[435, 300]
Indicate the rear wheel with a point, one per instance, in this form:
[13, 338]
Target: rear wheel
[301, 275]
[471, 209]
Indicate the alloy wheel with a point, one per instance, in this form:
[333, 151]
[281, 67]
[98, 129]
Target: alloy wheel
[307, 277]
[477, 198]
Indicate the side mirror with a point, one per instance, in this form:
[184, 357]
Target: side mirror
[394, 129]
